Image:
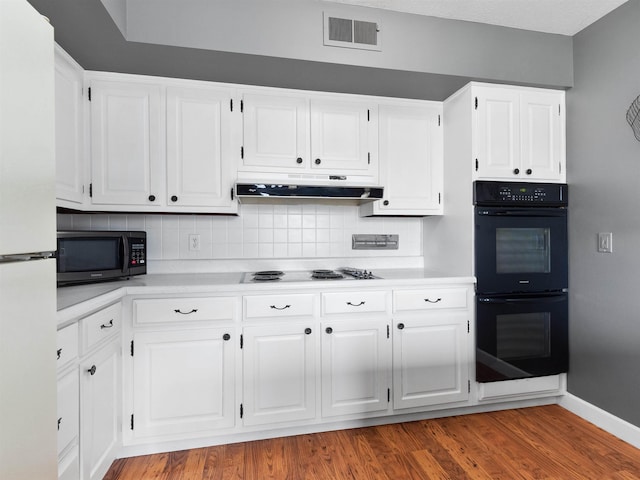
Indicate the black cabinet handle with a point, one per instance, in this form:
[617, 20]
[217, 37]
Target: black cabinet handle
[516, 171]
[177, 310]
[318, 161]
[226, 337]
[59, 353]
[232, 194]
[152, 198]
[59, 422]
[280, 308]
[355, 304]
[174, 198]
[432, 301]
[329, 330]
[529, 171]
[400, 326]
[307, 331]
[107, 325]
[385, 203]
[92, 370]
[299, 160]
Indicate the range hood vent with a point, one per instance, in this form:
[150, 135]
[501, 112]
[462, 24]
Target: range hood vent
[262, 191]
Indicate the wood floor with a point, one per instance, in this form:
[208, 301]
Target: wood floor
[533, 443]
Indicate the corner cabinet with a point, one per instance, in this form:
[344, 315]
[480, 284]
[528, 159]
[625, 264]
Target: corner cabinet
[519, 133]
[410, 138]
[160, 145]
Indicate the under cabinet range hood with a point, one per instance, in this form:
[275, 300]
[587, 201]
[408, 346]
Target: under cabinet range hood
[254, 192]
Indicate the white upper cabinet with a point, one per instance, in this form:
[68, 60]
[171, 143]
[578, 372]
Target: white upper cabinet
[276, 132]
[308, 138]
[70, 155]
[199, 144]
[161, 145]
[127, 143]
[519, 133]
[411, 155]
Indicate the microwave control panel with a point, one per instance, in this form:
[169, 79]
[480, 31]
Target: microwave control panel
[520, 194]
[137, 252]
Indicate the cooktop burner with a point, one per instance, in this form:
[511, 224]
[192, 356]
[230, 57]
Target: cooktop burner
[268, 276]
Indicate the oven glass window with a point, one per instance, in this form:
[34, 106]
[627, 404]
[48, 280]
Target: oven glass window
[523, 250]
[523, 336]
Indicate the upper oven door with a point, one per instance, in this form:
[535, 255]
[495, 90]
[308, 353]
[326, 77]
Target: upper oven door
[519, 250]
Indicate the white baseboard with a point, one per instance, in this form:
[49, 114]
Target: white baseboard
[603, 419]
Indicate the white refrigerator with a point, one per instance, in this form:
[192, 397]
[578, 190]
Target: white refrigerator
[28, 420]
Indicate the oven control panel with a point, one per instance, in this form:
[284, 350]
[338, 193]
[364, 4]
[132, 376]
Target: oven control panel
[520, 194]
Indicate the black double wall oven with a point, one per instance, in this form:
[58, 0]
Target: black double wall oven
[521, 267]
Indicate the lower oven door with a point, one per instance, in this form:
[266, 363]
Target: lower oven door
[521, 336]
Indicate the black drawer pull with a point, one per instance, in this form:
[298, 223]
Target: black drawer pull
[177, 310]
[432, 301]
[280, 308]
[107, 325]
[355, 304]
[59, 422]
[92, 370]
[59, 353]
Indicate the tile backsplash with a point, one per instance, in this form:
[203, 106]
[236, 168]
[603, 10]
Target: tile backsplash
[260, 231]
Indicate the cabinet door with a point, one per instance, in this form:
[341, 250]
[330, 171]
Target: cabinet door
[275, 132]
[356, 356]
[183, 381]
[430, 360]
[68, 411]
[69, 129]
[101, 411]
[343, 136]
[199, 156]
[279, 373]
[127, 143]
[498, 133]
[411, 156]
[542, 133]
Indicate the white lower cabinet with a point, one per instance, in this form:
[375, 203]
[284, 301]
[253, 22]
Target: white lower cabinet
[279, 372]
[356, 361]
[184, 381]
[100, 410]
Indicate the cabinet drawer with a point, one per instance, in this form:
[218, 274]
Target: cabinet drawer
[68, 410]
[354, 302]
[100, 325]
[294, 305]
[429, 299]
[163, 310]
[67, 345]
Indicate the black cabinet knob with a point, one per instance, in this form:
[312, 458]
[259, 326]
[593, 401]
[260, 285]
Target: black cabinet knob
[318, 161]
[516, 171]
[299, 160]
[174, 198]
[529, 171]
[385, 203]
[307, 331]
[152, 198]
[92, 370]
[329, 330]
[400, 326]
[226, 337]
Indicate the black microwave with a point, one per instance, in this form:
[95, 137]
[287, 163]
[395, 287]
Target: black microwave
[94, 256]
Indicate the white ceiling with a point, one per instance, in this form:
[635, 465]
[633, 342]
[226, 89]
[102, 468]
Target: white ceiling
[565, 17]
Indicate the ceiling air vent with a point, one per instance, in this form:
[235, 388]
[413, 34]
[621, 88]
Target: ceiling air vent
[350, 33]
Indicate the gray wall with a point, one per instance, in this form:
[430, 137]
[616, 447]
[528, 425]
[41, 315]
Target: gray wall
[604, 176]
[423, 57]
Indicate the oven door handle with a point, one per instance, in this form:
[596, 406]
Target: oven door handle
[542, 298]
[534, 212]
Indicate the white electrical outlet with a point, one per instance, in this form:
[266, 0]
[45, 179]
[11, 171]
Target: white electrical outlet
[605, 242]
[194, 242]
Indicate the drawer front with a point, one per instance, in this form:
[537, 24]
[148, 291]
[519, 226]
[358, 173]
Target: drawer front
[67, 345]
[354, 302]
[429, 299]
[277, 306]
[101, 325]
[164, 310]
[68, 410]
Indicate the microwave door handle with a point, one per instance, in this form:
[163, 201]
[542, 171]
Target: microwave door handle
[124, 253]
[538, 300]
